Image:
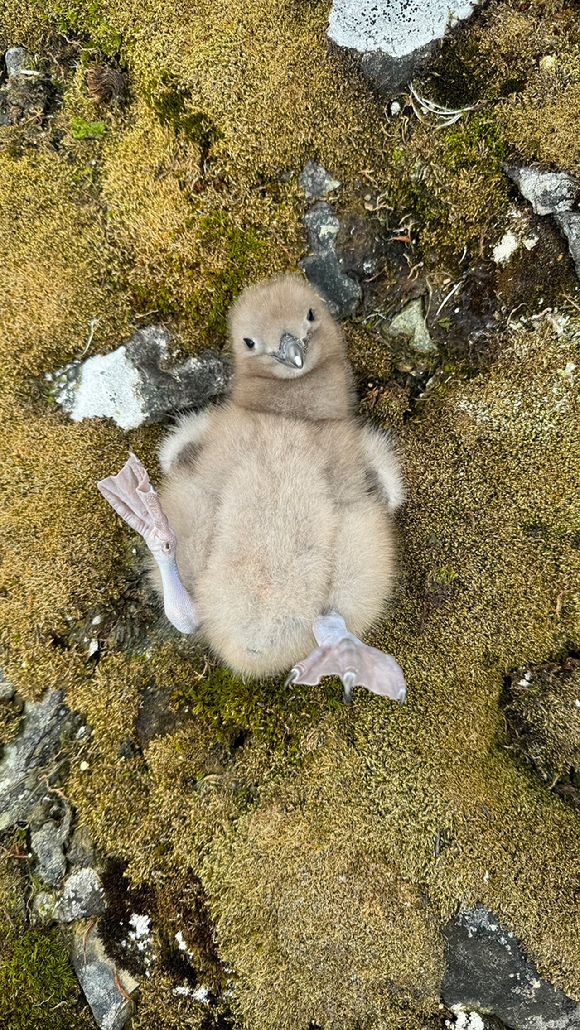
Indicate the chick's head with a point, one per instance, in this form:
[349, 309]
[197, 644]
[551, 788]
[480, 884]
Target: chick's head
[280, 328]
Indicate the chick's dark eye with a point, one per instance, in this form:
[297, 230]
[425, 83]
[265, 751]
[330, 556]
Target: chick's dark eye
[310, 315]
[250, 344]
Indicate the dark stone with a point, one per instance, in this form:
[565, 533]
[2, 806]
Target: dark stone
[165, 386]
[487, 971]
[340, 292]
[322, 269]
[569, 222]
[322, 225]
[80, 851]
[388, 74]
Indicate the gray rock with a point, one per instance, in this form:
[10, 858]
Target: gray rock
[24, 758]
[322, 225]
[6, 688]
[388, 74]
[552, 193]
[322, 268]
[82, 896]
[43, 906]
[316, 181]
[393, 38]
[411, 322]
[47, 844]
[549, 193]
[487, 971]
[96, 975]
[138, 383]
[340, 292]
[18, 61]
[80, 851]
[166, 387]
[569, 222]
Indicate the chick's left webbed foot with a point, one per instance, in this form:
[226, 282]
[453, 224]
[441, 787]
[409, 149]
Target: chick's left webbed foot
[342, 654]
[134, 498]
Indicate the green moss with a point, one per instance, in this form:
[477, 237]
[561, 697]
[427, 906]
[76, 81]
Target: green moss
[34, 979]
[171, 103]
[275, 714]
[87, 130]
[476, 135]
[451, 180]
[88, 21]
[224, 256]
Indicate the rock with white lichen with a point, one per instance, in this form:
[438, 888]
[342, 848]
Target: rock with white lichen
[138, 382]
[82, 896]
[487, 971]
[393, 39]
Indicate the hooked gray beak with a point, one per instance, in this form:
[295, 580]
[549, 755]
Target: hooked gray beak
[290, 351]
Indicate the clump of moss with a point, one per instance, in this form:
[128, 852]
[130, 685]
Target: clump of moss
[451, 180]
[221, 258]
[167, 1005]
[538, 123]
[274, 713]
[171, 102]
[34, 979]
[87, 130]
[92, 22]
[543, 716]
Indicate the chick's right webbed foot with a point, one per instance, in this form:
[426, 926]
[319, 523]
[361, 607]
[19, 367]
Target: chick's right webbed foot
[134, 498]
[342, 654]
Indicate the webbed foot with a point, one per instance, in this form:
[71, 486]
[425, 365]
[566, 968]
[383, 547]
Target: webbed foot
[358, 665]
[134, 498]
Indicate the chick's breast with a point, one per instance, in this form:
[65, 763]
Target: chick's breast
[271, 558]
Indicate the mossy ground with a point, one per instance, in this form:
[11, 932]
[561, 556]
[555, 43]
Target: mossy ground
[329, 844]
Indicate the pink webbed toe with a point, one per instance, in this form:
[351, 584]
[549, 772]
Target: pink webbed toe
[357, 665]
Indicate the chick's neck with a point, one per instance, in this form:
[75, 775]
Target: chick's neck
[325, 392]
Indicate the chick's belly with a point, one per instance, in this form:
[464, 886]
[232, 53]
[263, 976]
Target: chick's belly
[269, 570]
